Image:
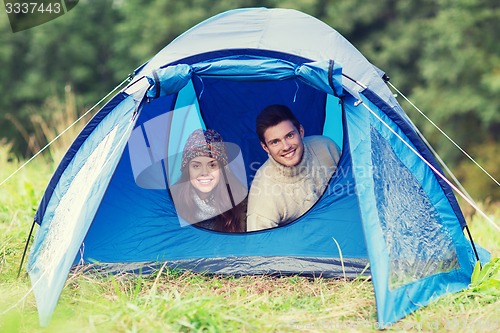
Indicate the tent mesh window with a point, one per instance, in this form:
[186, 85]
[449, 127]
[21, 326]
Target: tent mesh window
[417, 242]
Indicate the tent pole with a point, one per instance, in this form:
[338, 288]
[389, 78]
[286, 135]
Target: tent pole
[226, 180]
[26, 248]
[473, 245]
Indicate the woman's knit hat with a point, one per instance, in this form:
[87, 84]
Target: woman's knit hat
[204, 143]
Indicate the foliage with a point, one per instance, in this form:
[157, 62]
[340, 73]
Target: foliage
[465, 67]
[486, 280]
[442, 54]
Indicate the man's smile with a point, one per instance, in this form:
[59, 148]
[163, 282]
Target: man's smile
[289, 154]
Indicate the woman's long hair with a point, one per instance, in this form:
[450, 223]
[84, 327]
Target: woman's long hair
[230, 218]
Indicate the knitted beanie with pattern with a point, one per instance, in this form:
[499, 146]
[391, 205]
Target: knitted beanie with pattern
[207, 143]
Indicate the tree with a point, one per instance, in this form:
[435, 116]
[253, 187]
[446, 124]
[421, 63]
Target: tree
[441, 53]
[74, 50]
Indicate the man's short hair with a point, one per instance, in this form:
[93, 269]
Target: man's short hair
[271, 116]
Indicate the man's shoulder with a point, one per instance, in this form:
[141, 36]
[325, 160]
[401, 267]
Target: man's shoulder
[314, 140]
[323, 147]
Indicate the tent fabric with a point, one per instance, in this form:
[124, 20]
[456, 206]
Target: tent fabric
[424, 248]
[72, 206]
[278, 30]
[384, 211]
[324, 75]
[279, 266]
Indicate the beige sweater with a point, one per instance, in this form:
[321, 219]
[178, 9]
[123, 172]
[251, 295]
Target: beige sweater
[281, 194]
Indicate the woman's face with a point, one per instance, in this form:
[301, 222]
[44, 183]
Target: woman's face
[204, 173]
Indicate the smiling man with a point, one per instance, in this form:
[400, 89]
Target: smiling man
[296, 173]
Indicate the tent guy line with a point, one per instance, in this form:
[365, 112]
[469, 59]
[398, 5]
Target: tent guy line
[443, 163]
[446, 135]
[434, 152]
[436, 171]
[128, 79]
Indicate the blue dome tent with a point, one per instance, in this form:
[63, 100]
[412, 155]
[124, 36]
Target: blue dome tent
[387, 207]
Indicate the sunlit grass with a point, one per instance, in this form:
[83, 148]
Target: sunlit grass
[484, 233]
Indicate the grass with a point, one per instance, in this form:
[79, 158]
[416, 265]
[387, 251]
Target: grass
[174, 301]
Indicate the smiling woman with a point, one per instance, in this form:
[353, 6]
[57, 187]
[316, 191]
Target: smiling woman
[207, 193]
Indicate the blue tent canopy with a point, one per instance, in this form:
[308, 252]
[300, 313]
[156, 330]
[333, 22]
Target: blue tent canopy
[385, 208]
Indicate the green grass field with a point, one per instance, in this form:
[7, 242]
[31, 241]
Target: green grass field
[173, 301]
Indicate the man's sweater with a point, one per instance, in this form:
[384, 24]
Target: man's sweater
[280, 194]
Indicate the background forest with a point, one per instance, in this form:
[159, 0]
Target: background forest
[442, 54]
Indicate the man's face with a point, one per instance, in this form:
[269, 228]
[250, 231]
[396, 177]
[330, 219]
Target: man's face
[284, 143]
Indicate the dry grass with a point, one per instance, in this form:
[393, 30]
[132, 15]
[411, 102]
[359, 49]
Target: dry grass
[175, 301]
[62, 114]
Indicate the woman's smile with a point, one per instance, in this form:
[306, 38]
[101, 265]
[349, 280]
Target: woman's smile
[205, 181]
